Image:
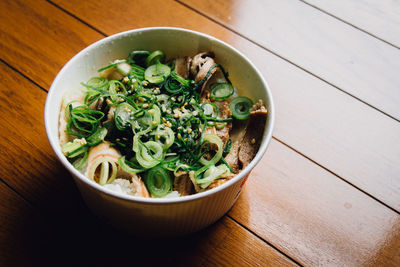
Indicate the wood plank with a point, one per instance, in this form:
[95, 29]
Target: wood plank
[338, 53]
[37, 175]
[337, 131]
[15, 235]
[380, 18]
[47, 184]
[37, 45]
[51, 236]
[314, 217]
[371, 210]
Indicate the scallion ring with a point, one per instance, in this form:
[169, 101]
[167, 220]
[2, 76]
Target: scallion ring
[157, 73]
[213, 139]
[158, 182]
[240, 107]
[155, 57]
[221, 91]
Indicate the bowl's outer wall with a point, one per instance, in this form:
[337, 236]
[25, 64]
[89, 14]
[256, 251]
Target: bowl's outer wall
[156, 218]
[159, 220]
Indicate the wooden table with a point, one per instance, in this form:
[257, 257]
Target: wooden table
[327, 192]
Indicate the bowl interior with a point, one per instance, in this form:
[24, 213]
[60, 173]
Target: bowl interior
[174, 42]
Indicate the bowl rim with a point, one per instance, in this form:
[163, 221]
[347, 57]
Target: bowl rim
[56, 147]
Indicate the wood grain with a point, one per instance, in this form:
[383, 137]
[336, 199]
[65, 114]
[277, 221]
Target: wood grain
[335, 130]
[380, 18]
[314, 217]
[303, 210]
[38, 38]
[318, 43]
[31, 238]
[14, 235]
[38, 176]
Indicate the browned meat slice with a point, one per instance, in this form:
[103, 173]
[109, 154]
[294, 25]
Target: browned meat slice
[232, 157]
[201, 64]
[183, 184]
[224, 113]
[224, 110]
[193, 179]
[259, 108]
[222, 133]
[218, 182]
[252, 138]
[182, 66]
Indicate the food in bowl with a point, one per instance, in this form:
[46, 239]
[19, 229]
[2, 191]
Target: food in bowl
[154, 128]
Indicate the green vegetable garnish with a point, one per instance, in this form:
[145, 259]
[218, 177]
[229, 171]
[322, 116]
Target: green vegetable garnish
[158, 182]
[240, 107]
[160, 123]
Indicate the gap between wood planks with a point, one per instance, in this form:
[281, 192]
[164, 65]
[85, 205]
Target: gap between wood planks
[261, 238]
[348, 23]
[282, 142]
[283, 58]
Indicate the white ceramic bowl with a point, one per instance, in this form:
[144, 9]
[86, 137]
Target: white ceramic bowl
[152, 216]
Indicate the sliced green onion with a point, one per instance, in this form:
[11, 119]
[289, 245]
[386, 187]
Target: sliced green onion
[220, 125]
[228, 146]
[128, 166]
[206, 77]
[221, 91]
[181, 80]
[82, 120]
[111, 65]
[80, 162]
[164, 136]
[98, 82]
[106, 175]
[240, 107]
[155, 57]
[124, 68]
[97, 137]
[213, 139]
[74, 148]
[227, 165]
[158, 182]
[144, 156]
[210, 110]
[136, 139]
[114, 87]
[122, 116]
[211, 174]
[156, 115]
[138, 57]
[157, 73]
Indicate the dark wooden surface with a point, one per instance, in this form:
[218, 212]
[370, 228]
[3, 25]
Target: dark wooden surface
[327, 192]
